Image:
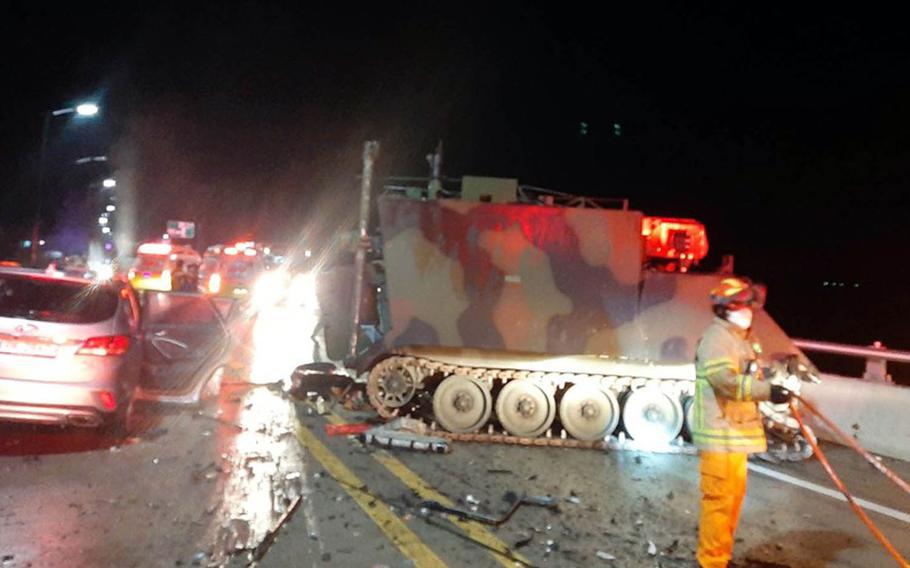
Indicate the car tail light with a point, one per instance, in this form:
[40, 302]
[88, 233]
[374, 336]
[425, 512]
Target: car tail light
[104, 346]
[215, 283]
[107, 400]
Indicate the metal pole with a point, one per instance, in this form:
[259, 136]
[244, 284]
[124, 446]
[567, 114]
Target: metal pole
[370, 151]
[36, 225]
[435, 161]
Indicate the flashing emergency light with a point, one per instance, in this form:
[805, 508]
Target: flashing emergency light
[674, 239]
[215, 283]
[155, 248]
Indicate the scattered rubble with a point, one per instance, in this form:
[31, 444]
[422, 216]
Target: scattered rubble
[546, 502]
[398, 435]
[524, 541]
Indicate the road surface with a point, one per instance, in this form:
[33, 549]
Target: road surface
[212, 485]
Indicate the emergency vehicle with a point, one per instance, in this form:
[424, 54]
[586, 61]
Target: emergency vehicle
[156, 262]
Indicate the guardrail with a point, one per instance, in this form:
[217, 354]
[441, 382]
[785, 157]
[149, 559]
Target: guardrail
[876, 355]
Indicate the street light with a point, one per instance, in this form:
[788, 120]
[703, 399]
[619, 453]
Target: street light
[85, 109]
[109, 183]
[88, 159]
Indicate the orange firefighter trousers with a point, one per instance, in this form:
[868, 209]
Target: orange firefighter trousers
[723, 486]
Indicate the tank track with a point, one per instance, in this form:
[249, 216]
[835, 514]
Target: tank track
[426, 374]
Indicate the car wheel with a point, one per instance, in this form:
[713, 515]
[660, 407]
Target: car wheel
[120, 423]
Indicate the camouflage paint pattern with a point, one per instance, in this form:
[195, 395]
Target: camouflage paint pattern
[539, 279]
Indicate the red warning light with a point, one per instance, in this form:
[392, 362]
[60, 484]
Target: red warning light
[682, 240]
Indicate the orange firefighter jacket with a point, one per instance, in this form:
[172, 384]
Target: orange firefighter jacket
[726, 416]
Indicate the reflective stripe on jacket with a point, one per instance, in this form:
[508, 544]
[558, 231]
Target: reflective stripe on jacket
[726, 416]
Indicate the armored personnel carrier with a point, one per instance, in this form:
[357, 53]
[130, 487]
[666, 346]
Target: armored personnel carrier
[520, 315]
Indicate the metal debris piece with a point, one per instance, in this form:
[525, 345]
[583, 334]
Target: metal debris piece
[348, 429]
[573, 499]
[406, 440]
[605, 555]
[208, 473]
[524, 541]
[652, 548]
[259, 552]
[471, 500]
[547, 502]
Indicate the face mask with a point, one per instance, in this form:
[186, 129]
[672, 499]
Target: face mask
[741, 318]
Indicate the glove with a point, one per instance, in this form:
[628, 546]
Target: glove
[780, 394]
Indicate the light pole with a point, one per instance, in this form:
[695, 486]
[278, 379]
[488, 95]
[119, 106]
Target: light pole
[84, 109]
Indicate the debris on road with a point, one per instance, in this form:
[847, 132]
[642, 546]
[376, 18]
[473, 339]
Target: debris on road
[348, 429]
[269, 539]
[605, 555]
[652, 549]
[538, 501]
[384, 436]
[207, 473]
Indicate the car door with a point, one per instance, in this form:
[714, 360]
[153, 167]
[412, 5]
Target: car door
[185, 340]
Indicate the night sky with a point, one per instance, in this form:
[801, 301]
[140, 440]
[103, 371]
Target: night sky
[787, 133]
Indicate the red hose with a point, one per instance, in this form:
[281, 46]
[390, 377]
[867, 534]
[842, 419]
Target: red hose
[843, 489]
[848, 440]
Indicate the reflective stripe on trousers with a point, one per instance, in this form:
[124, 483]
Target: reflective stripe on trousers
[723, 487]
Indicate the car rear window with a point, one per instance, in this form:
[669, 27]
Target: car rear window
[47, 299]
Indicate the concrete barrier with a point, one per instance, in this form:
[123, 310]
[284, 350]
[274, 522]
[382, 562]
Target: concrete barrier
[876, 414]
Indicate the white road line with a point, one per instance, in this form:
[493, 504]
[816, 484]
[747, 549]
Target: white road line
[868, 505]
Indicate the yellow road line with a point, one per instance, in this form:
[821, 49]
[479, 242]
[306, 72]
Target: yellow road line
[393, 527]
[416, 483]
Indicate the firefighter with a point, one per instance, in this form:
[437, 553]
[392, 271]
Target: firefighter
[178, 277]
[727, 424]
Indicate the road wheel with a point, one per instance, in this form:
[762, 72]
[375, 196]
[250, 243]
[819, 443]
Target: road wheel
[120, 424]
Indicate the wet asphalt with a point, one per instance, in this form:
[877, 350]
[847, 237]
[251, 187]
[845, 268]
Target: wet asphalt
[253, 478]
